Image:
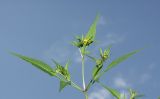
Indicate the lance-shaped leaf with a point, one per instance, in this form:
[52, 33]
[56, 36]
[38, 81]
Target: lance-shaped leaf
[89, 38]
[37, 63]
[117, 61]
[92, 30]
[114, 92]
[63, 84]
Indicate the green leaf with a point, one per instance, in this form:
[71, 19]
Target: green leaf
[91, 57]
[134, 94]
[123, 96]
[97, 68]
[105, 55]
[139, 96]
[114, 92]
[92, 31]
[63, 84]
[62, 70]
[116, 62]
[101, 52]
[67, 64]
[119, 60]
[37, 63]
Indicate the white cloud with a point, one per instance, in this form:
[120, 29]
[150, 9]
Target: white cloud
[58, 51]
[152, 66]
[100, 94]
[104, 94]
[120, 82]
[112, 38]
[144, 78]
[77, 57]
[147, 75]
[61, 52]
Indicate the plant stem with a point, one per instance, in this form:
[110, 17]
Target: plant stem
[83, 79]
[76, 86]
[86, 95]
[89, 85]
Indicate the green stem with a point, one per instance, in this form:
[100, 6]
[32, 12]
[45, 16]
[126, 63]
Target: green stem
[76, 86]
[89, 85]
[83, 79]
[86, 95]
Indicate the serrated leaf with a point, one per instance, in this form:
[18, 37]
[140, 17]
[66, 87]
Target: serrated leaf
[63, 84]
[119, 60]
[114, 92]
[37, 63]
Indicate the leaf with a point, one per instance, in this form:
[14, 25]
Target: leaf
[95, 72]
[37, 63]
[123, 96]
[92, 31]
[116, 62]
[63, 84]
[91, 57]
[119, 60]
[114, 92]
[97, 68]
[67, 64]
[101, 52]
[107, 51]
[139, 96]
[134, 94]
[62, 70]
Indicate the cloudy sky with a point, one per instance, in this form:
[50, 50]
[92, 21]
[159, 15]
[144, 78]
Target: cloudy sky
[44, 29]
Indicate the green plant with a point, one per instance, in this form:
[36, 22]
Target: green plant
[82, 43]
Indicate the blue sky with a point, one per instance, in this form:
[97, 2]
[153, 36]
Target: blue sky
[44, 29]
